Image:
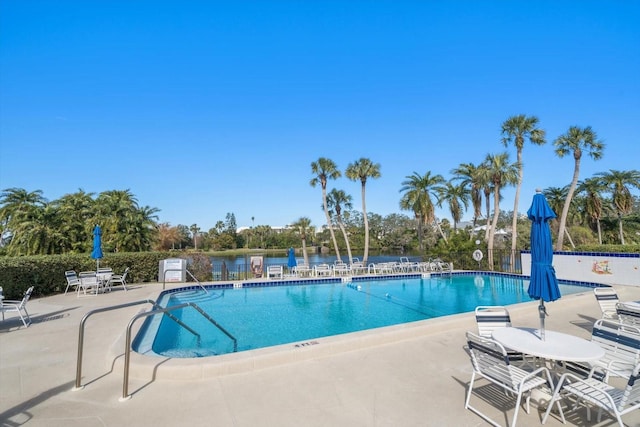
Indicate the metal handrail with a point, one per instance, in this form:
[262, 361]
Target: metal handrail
[164, 278]
[197, 281]
[127, 348]
[78, 382]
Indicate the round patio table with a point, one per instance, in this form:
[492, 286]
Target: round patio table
[556, 346]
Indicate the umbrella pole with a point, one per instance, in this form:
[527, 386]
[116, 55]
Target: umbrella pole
[543, 312]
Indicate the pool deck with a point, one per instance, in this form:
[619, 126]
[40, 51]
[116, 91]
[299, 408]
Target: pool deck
[408, 376]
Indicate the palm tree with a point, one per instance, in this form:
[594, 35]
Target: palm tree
[325, 169]
[619, 183]
[575, 141]
[517, 129]
[469, 175]
[418, 191]
[593, 187]
[303, 226]
[194, 235]
[18, 208]
[336, 200]
[363, 169]
[502, 173]
[456, 196]
[556, 197]
[78, 210]
[116, 210]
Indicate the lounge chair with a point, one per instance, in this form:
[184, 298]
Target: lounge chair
[490, 361]
[322, 270]
[596, 392]
[607, 299]
[275, 272]
[72, 280]
[302, 270]
[119, 279]
[340, 269]
[9, 306]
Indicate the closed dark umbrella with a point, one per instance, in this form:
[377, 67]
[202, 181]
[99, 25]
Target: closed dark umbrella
[97, 245]
[543, 284]
[291, 262]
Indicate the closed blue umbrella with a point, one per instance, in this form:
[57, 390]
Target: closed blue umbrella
[543, 284]
[291, 262]
[97, 245]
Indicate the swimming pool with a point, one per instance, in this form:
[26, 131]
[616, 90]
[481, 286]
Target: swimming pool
[266, 314]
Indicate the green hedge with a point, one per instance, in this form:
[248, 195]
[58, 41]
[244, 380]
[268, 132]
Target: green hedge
[46, 272]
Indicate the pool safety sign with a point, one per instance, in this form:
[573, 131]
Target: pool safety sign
[172, 270]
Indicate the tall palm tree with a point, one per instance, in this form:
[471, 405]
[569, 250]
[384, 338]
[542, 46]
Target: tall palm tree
[456, 197]
[194, 235]
[303, 227]
[336, 201]
[412, 201]
[556, 197]
[502, 173]
[516, 130]
[619, 183]
[593, 188]
[116, 210]
[419, 190]
[575, 141]
[362, 170]
[325, 169]
[469, 175]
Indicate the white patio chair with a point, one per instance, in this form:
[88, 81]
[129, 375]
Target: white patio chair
[598, 393]
[72, 280]
[275, 272]
[628, 313]
[322, 270]
[88, 281]
[607, 298]
[621, 344]
[104, 276]
[9, 306]
[491, 362]
[491, 317]
[119, 279]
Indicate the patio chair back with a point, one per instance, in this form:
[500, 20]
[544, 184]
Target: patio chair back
[607, 298]
[72, 280]
[491, 317]
[621, 344]
[628, 313]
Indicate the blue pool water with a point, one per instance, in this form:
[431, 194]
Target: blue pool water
[265, 316]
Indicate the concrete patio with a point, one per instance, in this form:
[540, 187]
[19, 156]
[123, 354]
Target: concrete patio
[413, 375]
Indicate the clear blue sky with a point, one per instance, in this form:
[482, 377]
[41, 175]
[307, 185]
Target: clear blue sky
[201, 108]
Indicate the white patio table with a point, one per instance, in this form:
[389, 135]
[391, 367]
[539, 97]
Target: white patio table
[556, 346]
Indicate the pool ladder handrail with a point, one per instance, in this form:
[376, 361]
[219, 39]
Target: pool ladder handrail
[158, 309]
[164, 278]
